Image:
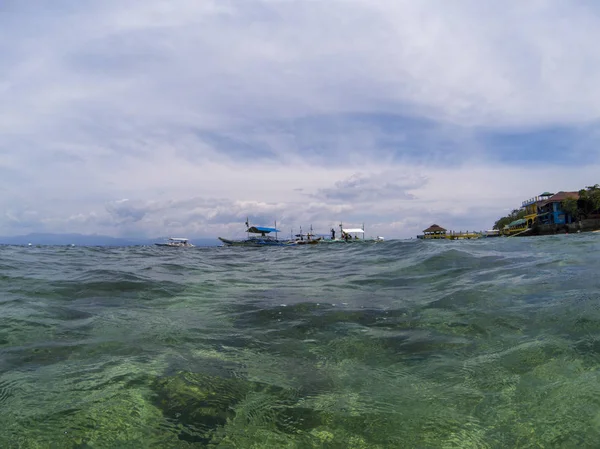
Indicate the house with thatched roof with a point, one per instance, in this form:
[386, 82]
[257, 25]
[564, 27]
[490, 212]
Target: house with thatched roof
[434, 232]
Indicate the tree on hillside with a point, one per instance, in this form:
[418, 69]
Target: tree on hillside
[589, 200]
[571, 207]
[516, 214]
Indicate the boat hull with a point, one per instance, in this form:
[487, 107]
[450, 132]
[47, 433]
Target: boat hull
[352, 241]
[307, 242]
[256, 243]
[170, 245]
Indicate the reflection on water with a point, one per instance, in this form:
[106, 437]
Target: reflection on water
[490, 343]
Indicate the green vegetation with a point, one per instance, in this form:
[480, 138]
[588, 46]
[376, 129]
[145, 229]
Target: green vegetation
[516, 214]
[569, 206]
[588, 203]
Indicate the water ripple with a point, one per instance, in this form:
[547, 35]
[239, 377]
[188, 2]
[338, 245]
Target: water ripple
[489, 343]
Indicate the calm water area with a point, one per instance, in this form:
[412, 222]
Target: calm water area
[490, 343]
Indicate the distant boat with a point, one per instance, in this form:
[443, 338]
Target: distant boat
[492, 233]
[261, 237]
[352, 235]
[176, 242]
[306, 239]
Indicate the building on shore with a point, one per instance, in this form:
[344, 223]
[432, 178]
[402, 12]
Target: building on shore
[434, 232]
[532, 207]
[437, 232]
[545, 214]
[550, 211]
[515, 227]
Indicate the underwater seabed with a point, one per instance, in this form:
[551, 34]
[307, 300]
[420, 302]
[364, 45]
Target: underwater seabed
[344, 379]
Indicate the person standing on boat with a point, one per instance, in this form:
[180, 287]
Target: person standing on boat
[332, 234]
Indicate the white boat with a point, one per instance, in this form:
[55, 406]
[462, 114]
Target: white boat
[492, 233]
[352, 235]
[176, 242]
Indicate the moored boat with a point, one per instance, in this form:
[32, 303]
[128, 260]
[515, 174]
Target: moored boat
[351, 235]
[260, 237]
[492, 233]
[176, 242]
[306, 238]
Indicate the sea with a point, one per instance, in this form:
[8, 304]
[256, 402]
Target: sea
[489, 343]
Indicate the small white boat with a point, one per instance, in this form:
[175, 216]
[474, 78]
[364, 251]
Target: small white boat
[492, 233]
[177, 242]
[352, 235]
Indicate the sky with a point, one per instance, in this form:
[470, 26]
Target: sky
[184, 117]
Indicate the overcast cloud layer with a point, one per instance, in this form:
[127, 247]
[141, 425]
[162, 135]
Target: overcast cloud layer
[183, 117]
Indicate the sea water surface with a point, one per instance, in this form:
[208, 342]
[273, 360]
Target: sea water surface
[492, 343]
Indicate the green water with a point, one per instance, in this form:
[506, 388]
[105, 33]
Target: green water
[470, 344]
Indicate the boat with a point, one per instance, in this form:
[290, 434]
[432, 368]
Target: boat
[306, 239]
[492, 233]
[177, 242]
[260, 238]
[351, 235]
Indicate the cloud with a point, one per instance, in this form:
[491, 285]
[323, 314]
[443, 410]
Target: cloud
[393, 113]
[378, 187]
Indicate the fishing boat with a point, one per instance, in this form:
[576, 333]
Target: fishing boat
[177, 242]
[260, 237]
[351, 235]
[306, 239]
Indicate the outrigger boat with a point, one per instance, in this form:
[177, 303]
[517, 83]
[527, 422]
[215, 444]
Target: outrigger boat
[176, 242]
[262, 237]
[306, 239]
[351, 235]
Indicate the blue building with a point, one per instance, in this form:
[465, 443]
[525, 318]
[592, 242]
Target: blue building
[550, 210]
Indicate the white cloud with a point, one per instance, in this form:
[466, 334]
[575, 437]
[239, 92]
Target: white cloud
[203, 112]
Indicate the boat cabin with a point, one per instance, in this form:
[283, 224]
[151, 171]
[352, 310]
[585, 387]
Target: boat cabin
[352, 233]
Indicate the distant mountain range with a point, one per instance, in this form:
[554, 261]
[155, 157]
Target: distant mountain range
[92, 240]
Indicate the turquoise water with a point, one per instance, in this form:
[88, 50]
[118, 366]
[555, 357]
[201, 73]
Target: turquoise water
[467, 344]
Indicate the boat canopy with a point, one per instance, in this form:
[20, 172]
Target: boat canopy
[353, 231]
[178, 239]
[261, 229]
[518, 222]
